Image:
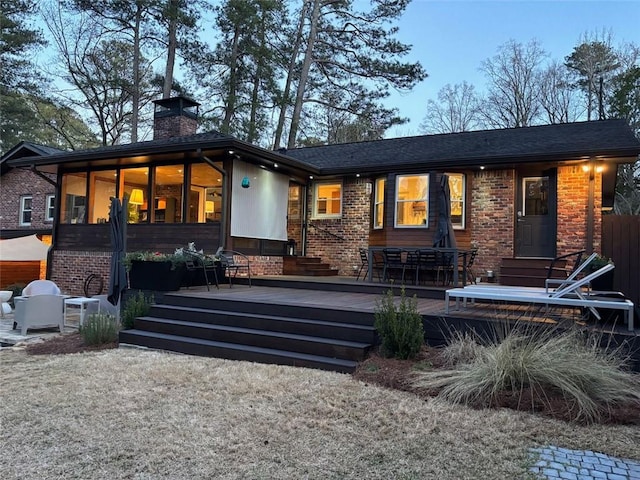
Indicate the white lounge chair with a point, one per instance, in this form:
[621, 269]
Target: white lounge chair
[40, 311]
[569, 294]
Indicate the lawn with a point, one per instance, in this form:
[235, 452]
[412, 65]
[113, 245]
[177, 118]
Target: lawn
[148, 415]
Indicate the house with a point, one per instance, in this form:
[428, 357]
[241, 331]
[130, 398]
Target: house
[27, 208]
[527, 192]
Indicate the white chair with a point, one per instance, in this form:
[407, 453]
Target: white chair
[40, 287]
[33, 289]
[569, 294]
[40, 311]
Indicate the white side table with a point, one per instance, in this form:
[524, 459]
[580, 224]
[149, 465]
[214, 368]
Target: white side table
[5, 296]
[83, 303]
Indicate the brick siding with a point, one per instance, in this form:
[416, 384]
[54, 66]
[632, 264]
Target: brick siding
[17, 183]
[353, 227]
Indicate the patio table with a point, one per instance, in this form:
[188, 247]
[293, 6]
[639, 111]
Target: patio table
[457, 254]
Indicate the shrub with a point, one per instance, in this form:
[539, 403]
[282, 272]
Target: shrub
[137, 305]
[100, 328]
[400, 327]
[538, 361]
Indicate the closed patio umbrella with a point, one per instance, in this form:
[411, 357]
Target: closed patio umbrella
[117, 274]
[445, 237]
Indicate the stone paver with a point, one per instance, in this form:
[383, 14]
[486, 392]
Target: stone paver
[561, 463]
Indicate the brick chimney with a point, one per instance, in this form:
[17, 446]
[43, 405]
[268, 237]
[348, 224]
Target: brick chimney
[174, 117]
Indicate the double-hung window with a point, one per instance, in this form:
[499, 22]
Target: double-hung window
[26, 208]
[457, 192]
[412, 200]
[378, 204]
[50, 208]
[327, 200]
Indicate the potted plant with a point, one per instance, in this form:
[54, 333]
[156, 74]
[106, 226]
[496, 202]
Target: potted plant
[155, 271]
[603, 282]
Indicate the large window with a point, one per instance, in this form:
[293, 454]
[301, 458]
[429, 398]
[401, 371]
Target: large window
[412, 200]
[102, 187]
[50, 208]
[327, 200]
[378, 203]
[168, 194]
[205, 194]
[26, 208]
[457, 190]
[74, 198]
[134, 184]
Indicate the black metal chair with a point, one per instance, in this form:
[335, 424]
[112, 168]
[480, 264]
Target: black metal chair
[426, 264]
[195, 263]
[562, 266]
[444, 266]
[364, 265]
[393, 264]
[471, 277]
[234, 262]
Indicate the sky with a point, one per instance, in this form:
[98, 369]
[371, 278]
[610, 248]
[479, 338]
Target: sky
[451, 38]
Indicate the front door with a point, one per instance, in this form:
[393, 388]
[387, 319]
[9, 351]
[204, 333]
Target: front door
[536, 214]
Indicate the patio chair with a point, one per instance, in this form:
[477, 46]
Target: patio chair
[471, 277]
[234, 262]
[426, 264]
[36, 287]
[393, 264]
[376, 267]
[570, 263]
[40, 311]
[195, 263]
[570, 294]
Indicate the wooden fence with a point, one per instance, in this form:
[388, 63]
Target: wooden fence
[621, 243]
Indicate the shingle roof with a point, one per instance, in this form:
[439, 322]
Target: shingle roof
[547, 142]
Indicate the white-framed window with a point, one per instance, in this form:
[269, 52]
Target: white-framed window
[457, 193]
[50, 208]
[26, 205]
[327, 200]
[412, 201]
[378, 203]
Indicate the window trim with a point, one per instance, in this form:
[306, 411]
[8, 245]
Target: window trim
[49, 208]
[463, 224]
[377, 181]
[21, 221]
[425, 199]
[315, 213]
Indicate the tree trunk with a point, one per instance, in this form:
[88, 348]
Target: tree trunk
[171, 48]
[231, 97]
[304, 75]
[135, 95]
[289, 81]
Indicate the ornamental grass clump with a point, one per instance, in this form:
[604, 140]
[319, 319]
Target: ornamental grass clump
[534, 364]
[399, 326]
[100, 328]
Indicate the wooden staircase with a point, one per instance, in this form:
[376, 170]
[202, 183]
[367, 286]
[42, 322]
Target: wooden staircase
[528, 272]
[309, 266]
[322, 338]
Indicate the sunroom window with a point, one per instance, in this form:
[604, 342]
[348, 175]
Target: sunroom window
[74, 198]
[327, 200]
[412, 200]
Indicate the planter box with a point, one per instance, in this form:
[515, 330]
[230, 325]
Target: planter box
[156, 276]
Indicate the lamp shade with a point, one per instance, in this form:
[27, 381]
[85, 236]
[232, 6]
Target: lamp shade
[208, 207]
[137, 197]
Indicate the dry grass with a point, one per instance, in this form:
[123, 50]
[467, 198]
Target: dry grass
[149, 415]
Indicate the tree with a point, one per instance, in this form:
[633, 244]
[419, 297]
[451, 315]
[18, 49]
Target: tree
[557, 96]
[18, 77]
[625, 103]
[457, 110]
[353, 52]
[593, 62]
[513, 92]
